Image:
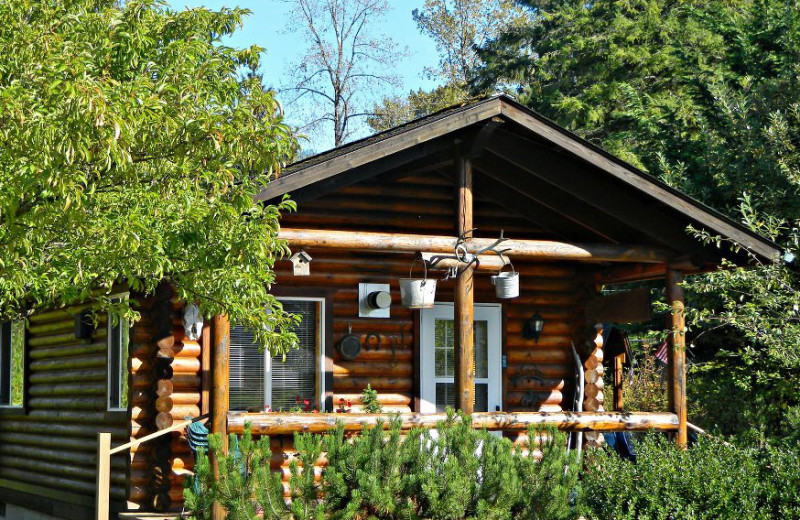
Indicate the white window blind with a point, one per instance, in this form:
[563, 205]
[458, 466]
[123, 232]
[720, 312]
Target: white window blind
[258, 380]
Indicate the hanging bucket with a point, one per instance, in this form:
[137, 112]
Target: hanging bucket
[418, 293]
[506, 283]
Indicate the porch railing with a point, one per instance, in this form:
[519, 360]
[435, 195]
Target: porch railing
[104, 453]
[287, 423]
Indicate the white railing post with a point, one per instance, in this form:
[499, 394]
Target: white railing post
[103, 476]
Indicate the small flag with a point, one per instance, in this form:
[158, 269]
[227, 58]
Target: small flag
[661, 353]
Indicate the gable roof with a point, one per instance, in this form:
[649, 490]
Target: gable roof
[539, 152]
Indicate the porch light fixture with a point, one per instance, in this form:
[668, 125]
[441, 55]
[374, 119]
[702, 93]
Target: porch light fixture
[532, 328]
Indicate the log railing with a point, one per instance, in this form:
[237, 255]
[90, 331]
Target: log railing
[287, 423]
[104, 453]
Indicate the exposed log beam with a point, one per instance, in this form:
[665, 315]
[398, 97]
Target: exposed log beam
[221, 338]
[449, 261]
[287, 423]
[464, 298]
[677, 354]
[404, 243]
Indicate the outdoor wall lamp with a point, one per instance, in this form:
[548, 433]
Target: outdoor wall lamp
[532, 328]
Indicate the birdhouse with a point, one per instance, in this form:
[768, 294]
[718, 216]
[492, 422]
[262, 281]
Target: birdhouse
[301, 263]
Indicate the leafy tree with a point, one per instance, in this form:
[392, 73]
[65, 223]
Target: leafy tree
[345, 62]
[394, 111]
[132, 148]
[703, 94]
[458, 27]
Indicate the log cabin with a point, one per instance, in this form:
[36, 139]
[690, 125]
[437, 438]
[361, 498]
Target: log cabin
[426, 201]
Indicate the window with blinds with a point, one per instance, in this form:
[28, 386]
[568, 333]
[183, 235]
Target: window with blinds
[258, 380]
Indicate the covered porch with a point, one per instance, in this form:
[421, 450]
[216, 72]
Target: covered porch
[444, 189]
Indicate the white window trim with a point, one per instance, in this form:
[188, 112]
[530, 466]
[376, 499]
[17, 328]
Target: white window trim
[109, 330]
[493, 314]
[320, 355]
[11, 346]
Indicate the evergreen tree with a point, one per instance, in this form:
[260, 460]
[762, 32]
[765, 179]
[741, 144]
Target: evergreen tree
[706, 96]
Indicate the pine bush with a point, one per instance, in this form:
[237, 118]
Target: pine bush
[451, 473]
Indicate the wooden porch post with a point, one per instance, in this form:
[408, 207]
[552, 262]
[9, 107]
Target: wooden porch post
[221, 333]
[677, 354]
[464, 299]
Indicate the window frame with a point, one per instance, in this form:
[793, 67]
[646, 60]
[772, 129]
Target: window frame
[110, 407]
[9, 337]
[321, 355]
[493, 315]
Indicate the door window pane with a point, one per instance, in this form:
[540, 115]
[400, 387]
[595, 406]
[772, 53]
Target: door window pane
[481, 397]
[443, 348]
[481, 335]
[445, 396]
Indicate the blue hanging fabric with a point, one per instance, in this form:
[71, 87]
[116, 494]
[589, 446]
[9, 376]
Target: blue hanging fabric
[197, 435]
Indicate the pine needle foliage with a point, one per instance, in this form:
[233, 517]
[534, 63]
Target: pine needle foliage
[451, 473]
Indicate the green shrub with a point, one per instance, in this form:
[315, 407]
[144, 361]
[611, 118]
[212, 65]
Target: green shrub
[710, 480]
[369, 399]
[245, 482]
[453, 473]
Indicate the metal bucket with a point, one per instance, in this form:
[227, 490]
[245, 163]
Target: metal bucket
[506, 284]
[418, 293]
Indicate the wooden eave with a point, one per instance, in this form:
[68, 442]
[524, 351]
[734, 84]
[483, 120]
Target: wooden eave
[425, 142]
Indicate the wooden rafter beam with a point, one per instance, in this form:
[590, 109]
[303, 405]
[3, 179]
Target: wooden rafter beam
[531, 249]
[606, 195]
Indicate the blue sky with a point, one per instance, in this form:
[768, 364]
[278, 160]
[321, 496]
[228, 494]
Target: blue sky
[267, 28]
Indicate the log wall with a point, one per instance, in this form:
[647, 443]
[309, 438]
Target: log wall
[49, 449]
[166, 372]
[539, 375]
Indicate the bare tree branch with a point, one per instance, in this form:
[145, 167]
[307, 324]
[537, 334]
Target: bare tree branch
[349, 62]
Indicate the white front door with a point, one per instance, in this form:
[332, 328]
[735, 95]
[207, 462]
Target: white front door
[437, 348]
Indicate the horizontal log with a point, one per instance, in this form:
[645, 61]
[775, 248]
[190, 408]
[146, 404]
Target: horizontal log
[544, 371]
[538, 355]
[72, 363]
[381, 369]
[65, 339]
[62, 470]
[28, 425]
[62, 314]
[441, 261]
[540, 249]
[71, 389]
[285, 423]
[68, 351]
[381, 384]
[389, 399]
[69, 403]
[46, 439]
[66, 457]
